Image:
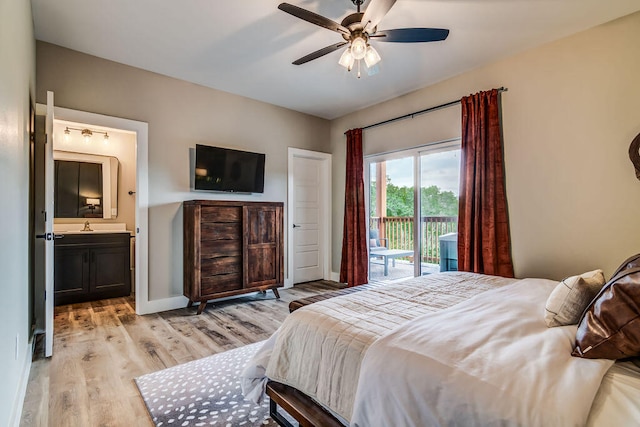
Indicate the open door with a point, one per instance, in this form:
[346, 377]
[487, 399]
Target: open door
[44, 190]
[48, 201]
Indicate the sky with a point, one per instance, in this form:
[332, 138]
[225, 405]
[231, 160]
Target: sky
[441, 169]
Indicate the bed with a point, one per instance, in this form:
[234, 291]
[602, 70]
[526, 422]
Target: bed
[442, 349]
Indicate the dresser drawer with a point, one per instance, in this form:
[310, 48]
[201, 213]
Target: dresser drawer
[221, 214]
[220, 231]
[221, 265]
[220, 283]
[220, 248]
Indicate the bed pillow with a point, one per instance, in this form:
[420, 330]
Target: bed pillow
[571, 297]
[610, 327]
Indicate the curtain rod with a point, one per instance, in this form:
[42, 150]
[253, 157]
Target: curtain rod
[417, 113]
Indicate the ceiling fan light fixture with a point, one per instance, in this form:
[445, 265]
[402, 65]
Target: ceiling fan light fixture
[347, 60]
[372, 57]
[358, 47]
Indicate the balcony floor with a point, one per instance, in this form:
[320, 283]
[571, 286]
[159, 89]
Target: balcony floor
[402, 271]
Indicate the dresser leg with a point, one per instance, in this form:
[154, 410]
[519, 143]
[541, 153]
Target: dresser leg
[201, 307]
[276, 293]
[190, 304]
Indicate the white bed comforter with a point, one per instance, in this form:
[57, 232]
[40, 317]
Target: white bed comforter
[488, 361]
[319, 348]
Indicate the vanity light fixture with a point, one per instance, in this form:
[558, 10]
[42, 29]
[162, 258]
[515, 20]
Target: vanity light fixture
[86, 134]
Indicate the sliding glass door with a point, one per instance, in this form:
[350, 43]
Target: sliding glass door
[439, 187]
[413, 211]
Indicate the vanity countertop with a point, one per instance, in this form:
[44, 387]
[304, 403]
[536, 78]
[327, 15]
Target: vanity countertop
[93, 231]
[97, 228]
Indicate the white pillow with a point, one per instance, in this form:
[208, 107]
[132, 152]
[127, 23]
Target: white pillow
[570, 298]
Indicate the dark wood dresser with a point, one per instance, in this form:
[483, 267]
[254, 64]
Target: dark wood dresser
[231, 248]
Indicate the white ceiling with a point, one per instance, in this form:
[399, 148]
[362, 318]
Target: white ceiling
[246, 46]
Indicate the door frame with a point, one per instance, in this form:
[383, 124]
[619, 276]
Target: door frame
[141, 129]
[325, 216]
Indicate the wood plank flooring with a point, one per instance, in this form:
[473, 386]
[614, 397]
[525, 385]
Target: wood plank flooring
[101, 346]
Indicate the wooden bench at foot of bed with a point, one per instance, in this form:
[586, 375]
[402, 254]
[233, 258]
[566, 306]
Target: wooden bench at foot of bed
[300, 406]
[296, 304]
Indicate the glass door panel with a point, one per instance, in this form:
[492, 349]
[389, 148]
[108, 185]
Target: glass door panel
[391, 219]
[439, 190]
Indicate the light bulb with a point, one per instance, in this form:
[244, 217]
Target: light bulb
[347, 59]
[372, 57]
[67, 134]
[86, 134]
[358, 47]
[106, 138]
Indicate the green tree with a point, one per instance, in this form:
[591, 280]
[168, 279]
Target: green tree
[399, 200]
[435, 201]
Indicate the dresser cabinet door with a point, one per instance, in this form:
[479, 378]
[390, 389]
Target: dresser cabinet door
[262, 246]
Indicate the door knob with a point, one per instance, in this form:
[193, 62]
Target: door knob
[296, 226]
[45, 236]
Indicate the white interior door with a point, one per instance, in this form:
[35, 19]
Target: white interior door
[306, 226]
[49, 236]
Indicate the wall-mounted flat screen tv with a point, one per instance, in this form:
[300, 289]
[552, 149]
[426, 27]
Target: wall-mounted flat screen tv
[223, 169]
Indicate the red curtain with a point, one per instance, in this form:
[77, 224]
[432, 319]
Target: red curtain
[355, 265]
[483, 228]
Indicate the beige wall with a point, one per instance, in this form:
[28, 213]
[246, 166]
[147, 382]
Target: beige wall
[569, 116]
[17, 86]
[179, 115]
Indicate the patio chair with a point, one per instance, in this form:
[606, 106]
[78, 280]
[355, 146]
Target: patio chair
[375, 240]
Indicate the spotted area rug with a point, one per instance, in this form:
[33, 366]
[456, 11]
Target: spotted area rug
[204, 392]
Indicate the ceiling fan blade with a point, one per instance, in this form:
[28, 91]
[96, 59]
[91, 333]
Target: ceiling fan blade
[314, 18]
[318, 53]
[376, 10]
[411, 35]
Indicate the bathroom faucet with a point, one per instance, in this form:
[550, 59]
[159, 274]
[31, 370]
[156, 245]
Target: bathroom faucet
[87, 227]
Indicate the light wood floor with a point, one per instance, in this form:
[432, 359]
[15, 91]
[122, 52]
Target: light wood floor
[100, 347]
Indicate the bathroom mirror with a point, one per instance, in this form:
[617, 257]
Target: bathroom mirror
[86, 185]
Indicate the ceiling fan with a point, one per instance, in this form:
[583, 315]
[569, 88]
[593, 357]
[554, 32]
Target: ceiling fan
[357, 29]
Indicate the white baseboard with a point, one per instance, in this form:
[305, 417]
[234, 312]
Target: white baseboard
[164, 304]
[335, 276]
[16, 413]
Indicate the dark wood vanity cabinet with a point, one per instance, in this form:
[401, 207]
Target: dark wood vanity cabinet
[91, 266]
[231, 248]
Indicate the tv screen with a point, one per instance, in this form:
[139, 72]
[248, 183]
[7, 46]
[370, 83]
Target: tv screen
[223, 169]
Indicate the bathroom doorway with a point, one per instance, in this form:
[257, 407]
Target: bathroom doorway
[94, 212]
[140, 197]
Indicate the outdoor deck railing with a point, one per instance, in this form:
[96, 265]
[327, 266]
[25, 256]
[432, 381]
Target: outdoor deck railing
[398, 231]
